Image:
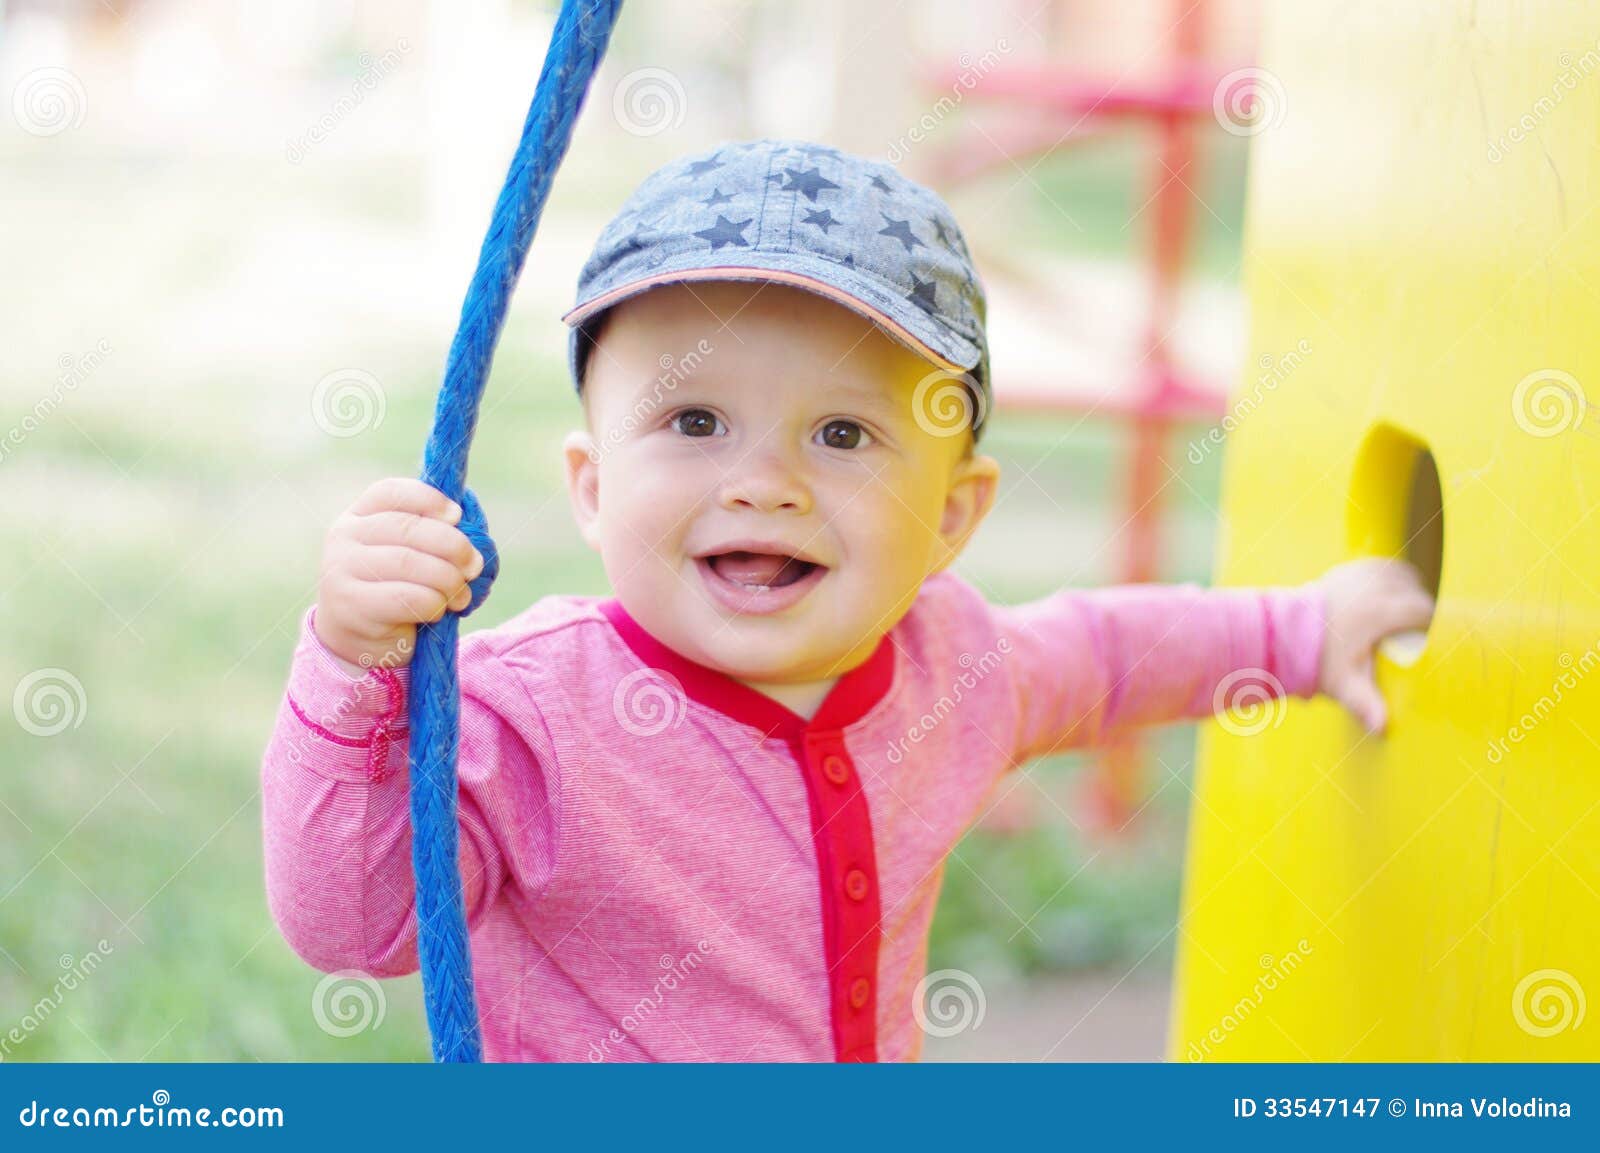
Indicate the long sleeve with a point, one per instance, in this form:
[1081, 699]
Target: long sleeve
[1086, 665]
[336, 810]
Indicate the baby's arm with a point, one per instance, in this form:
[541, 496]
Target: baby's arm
[1091, 664]
[334, 775]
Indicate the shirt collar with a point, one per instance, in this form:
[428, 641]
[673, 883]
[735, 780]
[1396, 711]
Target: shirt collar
[851, 698]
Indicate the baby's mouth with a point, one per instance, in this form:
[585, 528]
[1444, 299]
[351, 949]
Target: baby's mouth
[758, 577]
[759, 571]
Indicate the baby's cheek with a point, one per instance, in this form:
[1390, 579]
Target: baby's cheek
[644, 513]
[629, 530]
[919, 513]
[895, 547]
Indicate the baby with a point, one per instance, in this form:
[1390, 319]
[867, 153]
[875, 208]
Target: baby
[706, 817]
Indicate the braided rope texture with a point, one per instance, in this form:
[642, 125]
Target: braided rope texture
[577, 45]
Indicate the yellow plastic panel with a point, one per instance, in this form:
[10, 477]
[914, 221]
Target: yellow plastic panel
[1423, 266]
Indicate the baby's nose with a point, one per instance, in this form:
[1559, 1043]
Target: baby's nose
[765, 482]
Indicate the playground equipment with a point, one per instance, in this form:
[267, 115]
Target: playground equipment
[1051, 110]
[1422, 255]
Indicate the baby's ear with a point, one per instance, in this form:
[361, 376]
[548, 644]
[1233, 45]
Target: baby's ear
[973, 486]
[583, 483]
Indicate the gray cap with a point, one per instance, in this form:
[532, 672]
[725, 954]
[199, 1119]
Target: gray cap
[789, 211]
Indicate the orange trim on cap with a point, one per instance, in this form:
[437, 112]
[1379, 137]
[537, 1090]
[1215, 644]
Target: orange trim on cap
[800, 280]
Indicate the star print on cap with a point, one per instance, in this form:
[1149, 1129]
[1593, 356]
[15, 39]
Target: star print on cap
[794, 212]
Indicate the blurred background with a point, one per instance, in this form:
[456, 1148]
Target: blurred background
[236, 237]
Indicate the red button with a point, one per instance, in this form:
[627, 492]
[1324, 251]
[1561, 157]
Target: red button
[860, 990]
[835, 769]
[855, 885]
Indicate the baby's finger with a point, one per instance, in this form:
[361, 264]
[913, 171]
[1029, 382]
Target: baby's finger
[1406, 611]
[386, 562]
[409, 530]
[1358, 692]
[405, 494]
[398, 602]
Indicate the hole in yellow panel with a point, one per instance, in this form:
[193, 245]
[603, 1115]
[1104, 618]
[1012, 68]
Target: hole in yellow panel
[1397, 509]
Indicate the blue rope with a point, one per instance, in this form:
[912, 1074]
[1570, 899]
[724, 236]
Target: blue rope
[576, 47]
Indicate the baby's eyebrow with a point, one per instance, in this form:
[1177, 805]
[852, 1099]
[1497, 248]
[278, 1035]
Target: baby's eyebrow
[878, 402]
[866, 400]
[659, 390]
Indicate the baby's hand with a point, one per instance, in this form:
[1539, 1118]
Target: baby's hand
[392, 559]
[1366, 600]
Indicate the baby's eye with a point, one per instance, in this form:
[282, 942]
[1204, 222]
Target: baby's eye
[844, 434]
[696, 422]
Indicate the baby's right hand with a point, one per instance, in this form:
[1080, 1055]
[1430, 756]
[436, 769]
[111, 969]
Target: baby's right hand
[392, 559]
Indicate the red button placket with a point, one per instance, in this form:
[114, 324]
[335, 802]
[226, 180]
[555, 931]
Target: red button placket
[848, 876]
[841, 824]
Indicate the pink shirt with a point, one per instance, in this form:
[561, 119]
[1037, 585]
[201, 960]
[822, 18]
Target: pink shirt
[663, 864]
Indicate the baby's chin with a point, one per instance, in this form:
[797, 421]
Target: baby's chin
[775, 653]
[803, 645]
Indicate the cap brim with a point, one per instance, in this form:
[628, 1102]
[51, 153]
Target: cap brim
[948, 350]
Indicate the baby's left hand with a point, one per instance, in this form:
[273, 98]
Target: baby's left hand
[1366, 600]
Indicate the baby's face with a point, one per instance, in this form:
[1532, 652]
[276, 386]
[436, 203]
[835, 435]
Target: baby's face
[762, 494]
